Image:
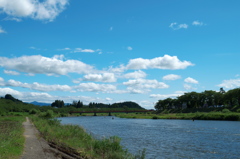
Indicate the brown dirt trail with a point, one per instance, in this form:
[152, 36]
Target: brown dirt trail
[36, 147]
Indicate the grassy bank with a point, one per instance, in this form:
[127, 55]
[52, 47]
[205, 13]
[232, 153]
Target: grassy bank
[11, 137]
[230, 116]
[74, 140]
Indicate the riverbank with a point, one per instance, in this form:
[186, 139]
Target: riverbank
[228, 116]
[74, 140]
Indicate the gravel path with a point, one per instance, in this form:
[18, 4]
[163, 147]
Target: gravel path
[36, 147]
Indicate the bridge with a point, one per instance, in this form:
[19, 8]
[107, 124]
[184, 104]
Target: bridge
[111, 111]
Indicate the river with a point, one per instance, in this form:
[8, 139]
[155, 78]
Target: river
[167, 138]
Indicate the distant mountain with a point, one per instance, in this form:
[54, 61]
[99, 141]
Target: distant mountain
[40, 104]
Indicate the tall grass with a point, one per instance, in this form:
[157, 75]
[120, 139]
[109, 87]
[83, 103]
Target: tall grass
[79, 142]
[224, 115]
[11, 137]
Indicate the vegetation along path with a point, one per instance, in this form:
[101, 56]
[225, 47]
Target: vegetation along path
[36, 147]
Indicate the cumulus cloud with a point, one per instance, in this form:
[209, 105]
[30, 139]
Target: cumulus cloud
[136, 90]
[118, 69]
[136, 74]
[165, 62]
[1, 81]
[191, 80]
[37, 64]
[2, 31]
[105, 77]
[176, 26]
[4, 91]
[82, 87]
[230, 84]
[143, 85]
[84, 50]
[171, 77]
[99, 51]
[47, 98]
[9, 72]
[93, 87]
[164, 96]
[35, 9]
[37, 86]
[28, 96]
[188, 87]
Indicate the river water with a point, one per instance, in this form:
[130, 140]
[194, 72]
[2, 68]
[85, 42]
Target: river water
[167, 138]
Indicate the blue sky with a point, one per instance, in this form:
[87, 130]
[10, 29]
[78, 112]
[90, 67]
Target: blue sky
[113, 51]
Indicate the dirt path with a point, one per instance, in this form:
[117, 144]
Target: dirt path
[36, 147]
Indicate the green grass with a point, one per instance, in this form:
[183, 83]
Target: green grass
[75, 138]
[11, 137]
[224, 115]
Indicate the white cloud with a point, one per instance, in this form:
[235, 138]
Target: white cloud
[191, 80]
[118, 69]
[82, 87]
[93, 87]
[136, 74]
[184, 26]
[108, 99]
[197, 23]
[176, 26]
[2, 81]
[146, 104]
[105, 77]
[171, 77]
[37, 86]
[4, 91]
[129, 48]
[12, 19]
[143, 85]
[188, 87]
[64, 49]
[35, 9]
[37, 64]
[11, 72]
[164, 96]
[165, 62]
[230, 84]
[137, 90]
[2, 31]
[87, 50]
[47, 98]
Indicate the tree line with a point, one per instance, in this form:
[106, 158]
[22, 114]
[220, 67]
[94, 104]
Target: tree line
[10, 104]
[205, 99]
[79, 104]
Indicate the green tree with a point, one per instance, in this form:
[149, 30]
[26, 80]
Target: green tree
[58, 103]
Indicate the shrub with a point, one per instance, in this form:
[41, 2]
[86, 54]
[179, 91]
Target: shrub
[225, 110]
[154, 117]
[238, 110]
[33, 111]
[232, 117]
[48, 114]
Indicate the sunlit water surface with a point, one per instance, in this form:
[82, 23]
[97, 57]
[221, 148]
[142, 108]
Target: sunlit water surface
[167, 138]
